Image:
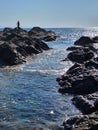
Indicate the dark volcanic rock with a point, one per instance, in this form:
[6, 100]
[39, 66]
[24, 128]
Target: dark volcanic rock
[37, 31]
[42, 34]
[96, 104]
[10, 55]
[80, 48]
[91, 64]
[79, 80]
[16, 45]
[82, 122]
[82, 79]
[83, 105]
[83, 86]
[84, 41]
[80, 55]
[73, 48]
[95, 39]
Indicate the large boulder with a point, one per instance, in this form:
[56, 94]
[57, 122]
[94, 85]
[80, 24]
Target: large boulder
[79, 80]
[80, 55]
[84, 41]
[9, 55]
[85, 85]
[37, 31]
[42, 34]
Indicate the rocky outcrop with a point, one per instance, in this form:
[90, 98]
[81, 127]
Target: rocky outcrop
[17, 44]
[84, 41]
[80, 55]
[82, 122]
[82, 77]
[84, 105]
[81, 80]
[95, 39]
[81, 48]
[42, 34]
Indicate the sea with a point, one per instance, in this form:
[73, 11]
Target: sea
[29, 97]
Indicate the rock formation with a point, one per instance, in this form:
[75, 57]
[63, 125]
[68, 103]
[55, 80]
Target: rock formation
[81, 80]
[16, 44]
[82, 77]
[42, 34]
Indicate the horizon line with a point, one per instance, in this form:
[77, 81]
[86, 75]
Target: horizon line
[49, 27]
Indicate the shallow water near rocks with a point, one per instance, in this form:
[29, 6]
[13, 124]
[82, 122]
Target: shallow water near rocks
[29, 97]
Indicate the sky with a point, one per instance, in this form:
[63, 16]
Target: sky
[49, 13]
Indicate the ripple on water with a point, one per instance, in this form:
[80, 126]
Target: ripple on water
[29, 97]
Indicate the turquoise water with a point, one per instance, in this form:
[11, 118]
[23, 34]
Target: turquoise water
[29, 93]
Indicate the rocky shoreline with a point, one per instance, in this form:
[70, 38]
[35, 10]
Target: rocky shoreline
[17, 44]
[81, 80]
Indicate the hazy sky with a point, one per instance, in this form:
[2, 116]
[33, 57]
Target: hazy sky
[49, 13]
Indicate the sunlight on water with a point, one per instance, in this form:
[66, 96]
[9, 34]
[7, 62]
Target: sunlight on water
[29, 95]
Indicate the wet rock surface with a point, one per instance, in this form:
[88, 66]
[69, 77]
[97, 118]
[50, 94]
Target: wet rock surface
[81, 80]
[95, 39]
[42, 34]
[82, 77]
[82, 122]
[84, 41]
[17, 44]
[84, 105]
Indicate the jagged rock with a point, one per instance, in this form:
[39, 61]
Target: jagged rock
[80, 48]
[84, 41]
[79, 80]
[42, 34]
[82, 122]
[73, 48]
[96, 104]
[82, 79]
[95, 39]
[16, 45]
[83, 105]
[92, 96]
[10, 55]
[86, 85]
[80, 55]
[91, 64]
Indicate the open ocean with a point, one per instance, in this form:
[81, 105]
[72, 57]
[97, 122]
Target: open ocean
[29, 92]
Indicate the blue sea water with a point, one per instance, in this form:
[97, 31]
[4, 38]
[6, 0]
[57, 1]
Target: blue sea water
[29, 92]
